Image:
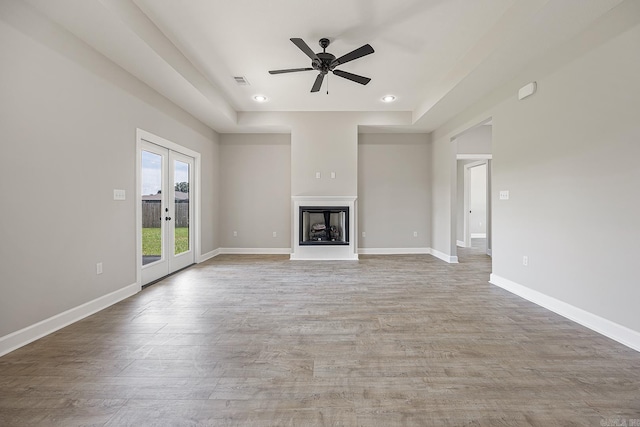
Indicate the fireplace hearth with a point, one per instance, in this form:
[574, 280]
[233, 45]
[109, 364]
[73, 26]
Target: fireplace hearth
[324, 225]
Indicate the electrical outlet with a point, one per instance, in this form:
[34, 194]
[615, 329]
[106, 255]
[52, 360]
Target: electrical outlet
[318, 175]
[99, 268]
[415, 234]
[525, 261]
[235, 233]
[333, 175]
[274, 234]
[364, 234]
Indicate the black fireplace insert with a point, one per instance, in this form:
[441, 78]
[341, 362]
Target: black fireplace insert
[324, 225]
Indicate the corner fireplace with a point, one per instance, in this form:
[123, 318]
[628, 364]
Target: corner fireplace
[324, 225]
[324, 228]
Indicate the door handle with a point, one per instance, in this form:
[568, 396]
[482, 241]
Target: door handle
[167, 218]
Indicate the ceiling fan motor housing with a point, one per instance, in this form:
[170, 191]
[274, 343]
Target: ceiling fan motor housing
[324, 63]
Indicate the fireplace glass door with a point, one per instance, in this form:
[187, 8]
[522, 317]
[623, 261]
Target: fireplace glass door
[324, 225]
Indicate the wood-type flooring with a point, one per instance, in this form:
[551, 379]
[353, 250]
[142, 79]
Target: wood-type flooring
[263, 341]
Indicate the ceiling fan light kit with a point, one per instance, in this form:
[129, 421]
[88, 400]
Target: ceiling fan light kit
[325, 62]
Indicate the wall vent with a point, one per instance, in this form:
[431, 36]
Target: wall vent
[242, 81]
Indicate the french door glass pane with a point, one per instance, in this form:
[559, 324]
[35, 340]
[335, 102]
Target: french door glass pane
[151, 207]
[181, 204]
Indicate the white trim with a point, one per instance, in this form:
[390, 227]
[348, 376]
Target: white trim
[254, 251]
[489, 252]
[478, 235]
[460, 243]
[212, 254]
[17, 339]
[158, 140]
[474, 156]
[444, 257]
[324, 199]
[393, 251]
[138, 206]
[610, 329]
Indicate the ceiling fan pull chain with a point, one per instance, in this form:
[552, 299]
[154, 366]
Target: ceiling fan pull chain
[327, 84]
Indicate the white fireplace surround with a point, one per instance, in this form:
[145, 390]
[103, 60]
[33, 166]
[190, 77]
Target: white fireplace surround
[324, 252]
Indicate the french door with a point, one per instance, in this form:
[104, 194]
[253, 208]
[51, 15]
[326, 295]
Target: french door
[166, 216]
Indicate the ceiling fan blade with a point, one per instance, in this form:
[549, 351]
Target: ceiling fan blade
[353, 77]
[305, 48]
[354, 54]
[289, 70]
[318, 83]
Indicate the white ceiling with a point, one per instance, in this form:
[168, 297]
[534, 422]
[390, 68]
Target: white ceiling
[437, 57]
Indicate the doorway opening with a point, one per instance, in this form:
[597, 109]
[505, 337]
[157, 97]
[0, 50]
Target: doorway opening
[473, 191]
[476, 200]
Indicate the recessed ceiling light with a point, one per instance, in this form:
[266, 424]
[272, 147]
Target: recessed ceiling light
[260, 98]
[388, 98]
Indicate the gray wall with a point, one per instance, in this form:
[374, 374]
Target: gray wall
[256, 190]
[393, 190]
[68, 128]
[475, 141]
[324, 142]
[568, 155]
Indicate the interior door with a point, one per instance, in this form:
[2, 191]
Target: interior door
[166, 177]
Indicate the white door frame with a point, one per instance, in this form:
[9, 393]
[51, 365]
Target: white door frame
[142, 135]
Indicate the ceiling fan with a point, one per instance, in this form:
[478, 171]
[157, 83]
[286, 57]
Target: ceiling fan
[325, 62]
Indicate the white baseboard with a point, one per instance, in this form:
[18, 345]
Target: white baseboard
[489, 252]
[478, 235]
[209, 255]
[610, 329]
[460, 243]
[393, 251]
[255, 251]
[444, 257]
[24, 336]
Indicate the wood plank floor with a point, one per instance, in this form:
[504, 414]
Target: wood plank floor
[263, 341]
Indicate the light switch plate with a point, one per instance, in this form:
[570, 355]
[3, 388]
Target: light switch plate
[504, 195]
[119, 195]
